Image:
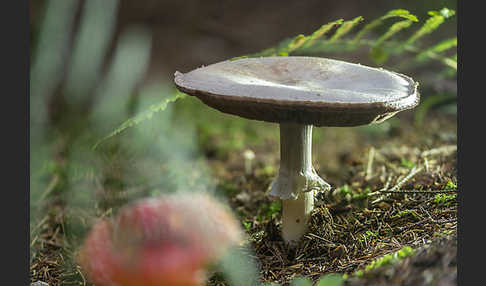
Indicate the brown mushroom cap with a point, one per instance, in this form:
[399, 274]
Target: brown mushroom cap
[306, 90]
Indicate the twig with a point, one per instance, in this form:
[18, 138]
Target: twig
[412, 173]
[81, 274]
[439, 221]
[446, 150]
[369, 169]
[385, 187]
[428, 191]
[426, 163]
[329, 243]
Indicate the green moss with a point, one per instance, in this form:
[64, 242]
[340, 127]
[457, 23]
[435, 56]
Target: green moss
[406, 212]
[246, 224]
[357, 197]
[369, 234]
[406, 163]
[450, 186]
[344, 190]
[270, 210]
[386, 260]
[444, 199]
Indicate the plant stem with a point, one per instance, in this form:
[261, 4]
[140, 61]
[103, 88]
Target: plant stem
[297, 181]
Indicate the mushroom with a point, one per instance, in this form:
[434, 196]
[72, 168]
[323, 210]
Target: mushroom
[248, 155]
[163, 241]
[299, 93]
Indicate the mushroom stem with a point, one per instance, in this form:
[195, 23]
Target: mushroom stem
[297, 181]
[295, 216]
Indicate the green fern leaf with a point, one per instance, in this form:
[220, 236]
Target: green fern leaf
[377, 53]
[296, 43]
[400, 13]
[375, 23]
[345, 28]
[395, 28]
[317, 43]
[145, 115]
[445, 12]
[288, 46]
[432, 23]
[450, 62]
[325, 47]
[321, 32]
[438, 48]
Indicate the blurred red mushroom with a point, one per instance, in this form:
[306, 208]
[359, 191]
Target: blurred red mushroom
[164, 241]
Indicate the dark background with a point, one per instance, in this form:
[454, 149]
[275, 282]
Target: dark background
[187, 34]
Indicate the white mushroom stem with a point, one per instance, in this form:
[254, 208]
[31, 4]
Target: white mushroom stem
[297, 182]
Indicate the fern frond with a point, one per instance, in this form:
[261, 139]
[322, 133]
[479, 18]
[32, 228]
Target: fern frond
[324, 46]
[345, 28]
[302, 40]
[433, 22]
[285, 47]
[317, 43]
[377, 53]
[322, 31]
[147, 114]
[296, 43]
[438, 48]
[377, 22]
[450, 62]
[395, 28]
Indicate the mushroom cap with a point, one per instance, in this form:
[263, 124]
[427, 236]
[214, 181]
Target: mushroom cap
[160, 241]
[305, 90]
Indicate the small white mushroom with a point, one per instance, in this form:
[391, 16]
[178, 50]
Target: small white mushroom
[248, 155]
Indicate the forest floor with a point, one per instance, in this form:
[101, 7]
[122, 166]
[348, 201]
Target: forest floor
[390, 219]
